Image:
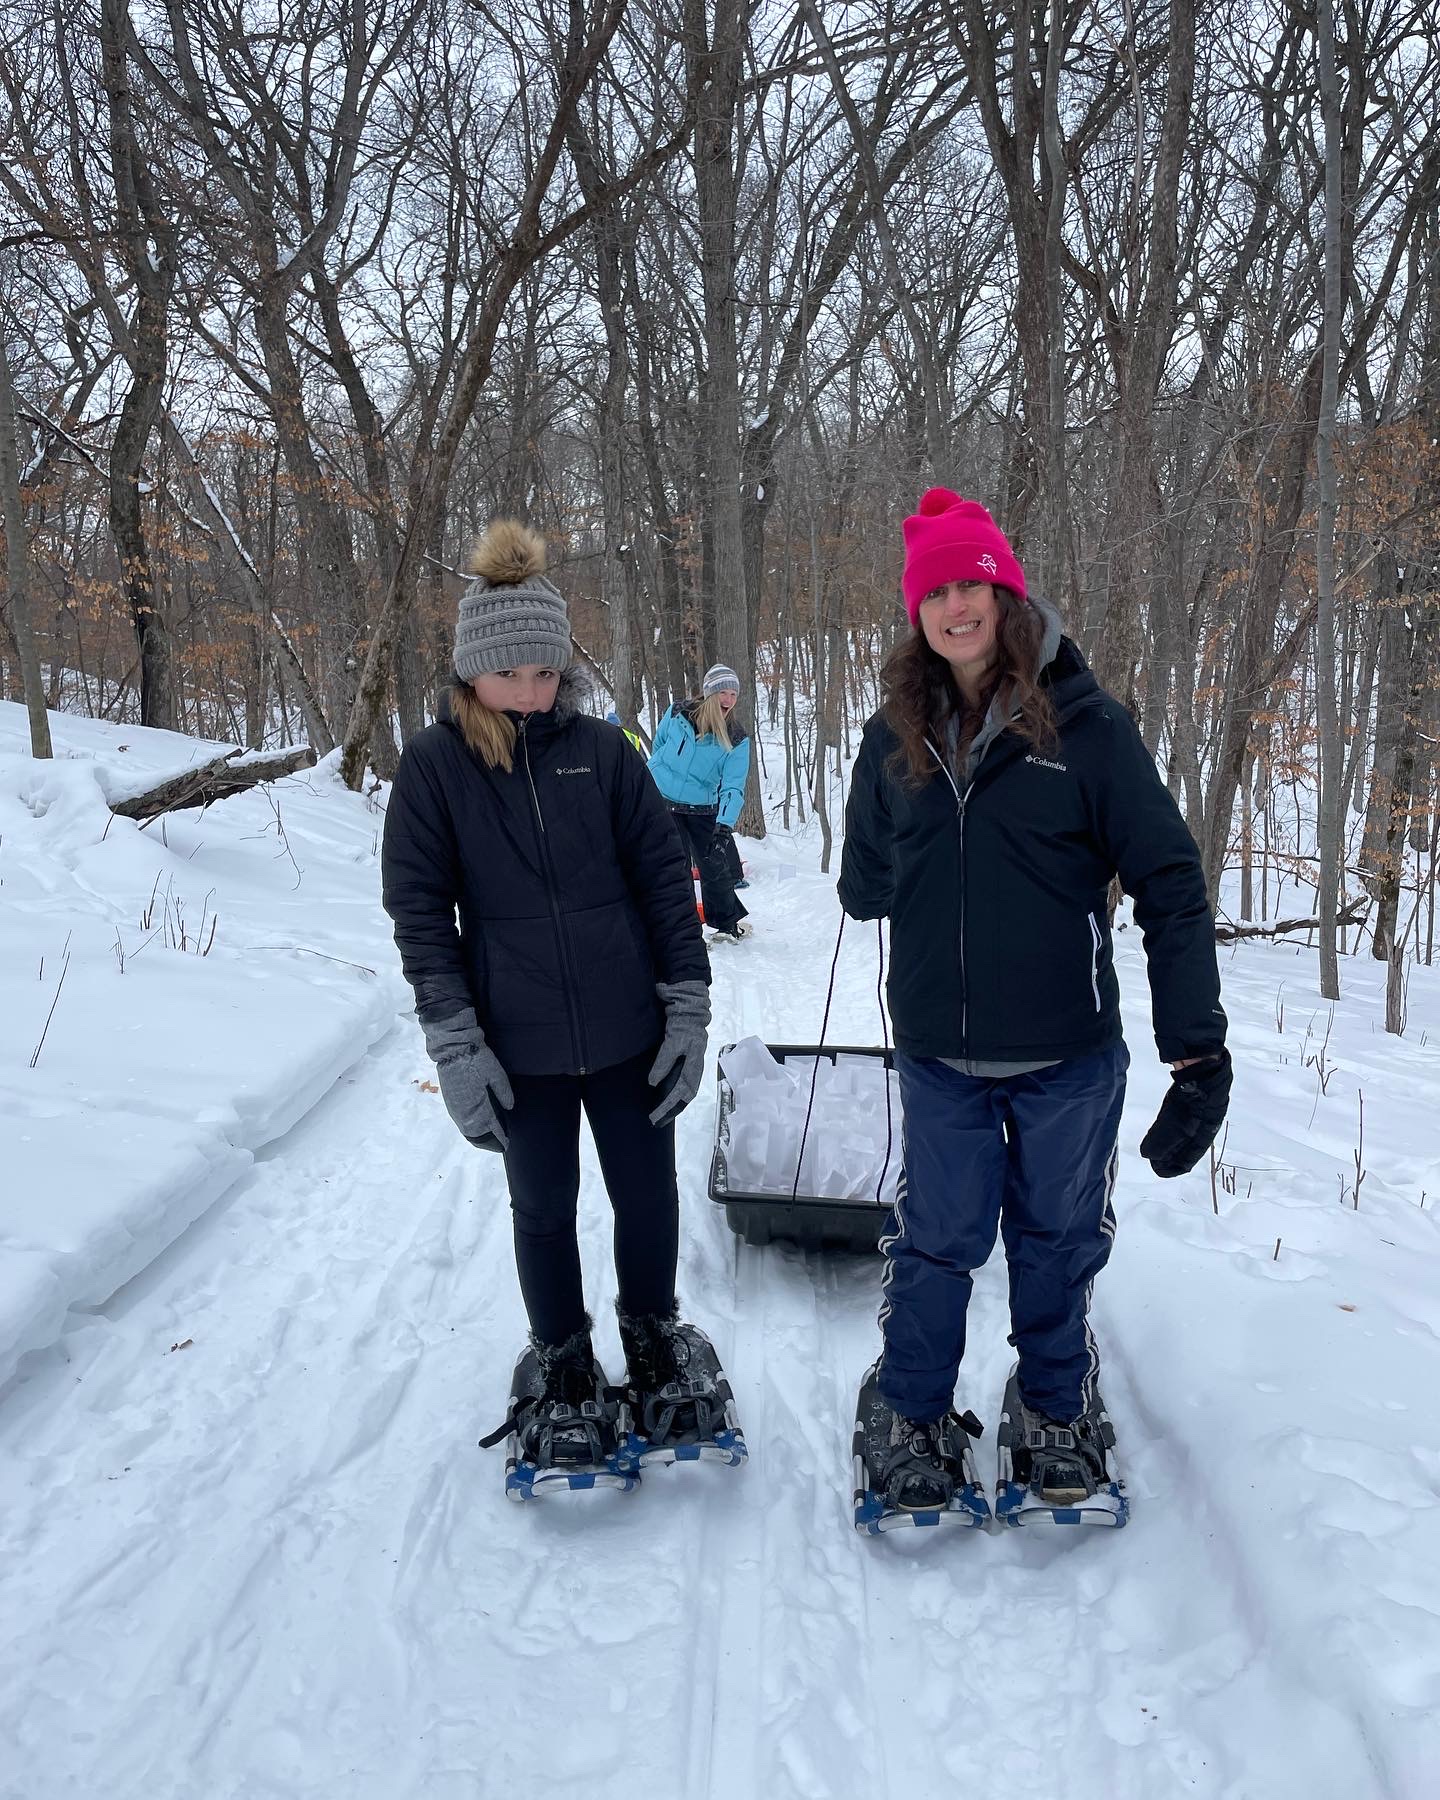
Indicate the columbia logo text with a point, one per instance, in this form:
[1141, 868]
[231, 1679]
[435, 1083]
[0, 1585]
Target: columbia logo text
[1044, 762]
[579, 769]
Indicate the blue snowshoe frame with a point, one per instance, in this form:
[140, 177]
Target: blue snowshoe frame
[525, 1480]
[1017, 1505]
[967, 1507]
[710, 1387]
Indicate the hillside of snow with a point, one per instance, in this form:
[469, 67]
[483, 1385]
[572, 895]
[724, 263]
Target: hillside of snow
[257, 1303]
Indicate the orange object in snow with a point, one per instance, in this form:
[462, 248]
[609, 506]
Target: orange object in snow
[699, 902]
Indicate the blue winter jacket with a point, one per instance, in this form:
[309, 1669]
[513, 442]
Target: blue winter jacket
[691, 771]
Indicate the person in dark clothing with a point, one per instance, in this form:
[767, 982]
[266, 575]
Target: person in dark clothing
[996, 794]
[546, 921]
[730, 850]
[700, 761]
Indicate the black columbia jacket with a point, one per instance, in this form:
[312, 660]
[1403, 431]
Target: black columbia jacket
[996, 889]
[572, 892]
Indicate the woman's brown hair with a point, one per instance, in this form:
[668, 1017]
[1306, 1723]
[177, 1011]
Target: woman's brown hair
[919, 695]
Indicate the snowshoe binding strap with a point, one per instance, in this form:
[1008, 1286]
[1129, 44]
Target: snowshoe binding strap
[919, 1475]
[1066, 1467]
[563, 1436]
[556, 1434]
[501, 1432]
[681, 1412]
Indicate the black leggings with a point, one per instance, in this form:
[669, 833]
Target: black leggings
[717, 885]
[542, 1165]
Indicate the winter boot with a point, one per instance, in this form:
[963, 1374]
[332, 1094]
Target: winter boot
[680, 1404]
[1062, 1464]
[563, 1416]
[1057, 1471]
[913, 1471]
[925, 1462]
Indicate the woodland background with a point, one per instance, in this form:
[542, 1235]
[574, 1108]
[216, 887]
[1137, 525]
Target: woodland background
[293, 298]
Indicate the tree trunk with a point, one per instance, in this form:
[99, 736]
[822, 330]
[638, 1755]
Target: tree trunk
[713, 71]
[616, 552]
[146, 242]
[17, 562]
[1134, 505]
[1332, 749]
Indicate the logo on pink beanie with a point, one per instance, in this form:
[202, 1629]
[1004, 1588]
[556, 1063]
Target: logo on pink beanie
[951, 539]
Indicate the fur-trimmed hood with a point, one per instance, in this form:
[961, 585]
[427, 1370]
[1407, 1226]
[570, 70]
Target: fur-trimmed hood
[460, 707]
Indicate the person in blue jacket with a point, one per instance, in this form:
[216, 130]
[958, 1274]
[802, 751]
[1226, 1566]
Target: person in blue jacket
[700, 760]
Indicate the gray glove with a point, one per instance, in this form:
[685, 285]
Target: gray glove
[475, 1089]
[680, 1065]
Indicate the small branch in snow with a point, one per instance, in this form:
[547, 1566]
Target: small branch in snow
[1351, 914]
[35, 1056]
[305, 950]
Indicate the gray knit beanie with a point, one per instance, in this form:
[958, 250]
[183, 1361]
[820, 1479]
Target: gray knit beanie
[510, 614]
[718, 677]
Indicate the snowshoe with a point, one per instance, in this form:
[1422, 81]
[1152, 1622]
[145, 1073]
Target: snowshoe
[1052, 1473]
[678, 1404]
[562, 1430]
[912, 1473]
[732, 934]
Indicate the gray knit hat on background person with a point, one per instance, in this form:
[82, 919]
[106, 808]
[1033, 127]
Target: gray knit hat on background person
[510, 614]
[717, 678]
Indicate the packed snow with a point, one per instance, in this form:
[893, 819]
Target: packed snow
[257, 1304]
[172, 999]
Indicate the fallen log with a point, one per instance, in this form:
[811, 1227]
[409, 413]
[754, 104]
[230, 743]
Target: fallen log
[234, 772]
[1226, 933]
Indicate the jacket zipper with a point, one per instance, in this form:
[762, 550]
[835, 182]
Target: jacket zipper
[552, 894]
[960, 802]
[960, 799]
[964, 979]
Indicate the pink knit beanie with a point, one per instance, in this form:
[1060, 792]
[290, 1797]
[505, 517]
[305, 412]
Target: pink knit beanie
[950, 539]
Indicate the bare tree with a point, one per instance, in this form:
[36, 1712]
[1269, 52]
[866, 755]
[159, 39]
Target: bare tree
[17, 562]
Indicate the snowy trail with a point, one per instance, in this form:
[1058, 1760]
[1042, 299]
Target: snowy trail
[273, 1563]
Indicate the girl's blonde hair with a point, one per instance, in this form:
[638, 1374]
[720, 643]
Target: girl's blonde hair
[488, 733]
[710, 720]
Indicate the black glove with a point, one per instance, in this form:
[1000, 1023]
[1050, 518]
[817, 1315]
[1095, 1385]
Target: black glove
[1190, 1115]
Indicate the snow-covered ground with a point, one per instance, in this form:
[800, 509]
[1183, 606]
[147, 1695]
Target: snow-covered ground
[249, 1550]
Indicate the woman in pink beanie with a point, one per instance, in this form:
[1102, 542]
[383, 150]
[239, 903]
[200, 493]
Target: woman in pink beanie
[997, 793]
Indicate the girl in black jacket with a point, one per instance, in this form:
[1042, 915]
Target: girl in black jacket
[575, 977]
[996, 794]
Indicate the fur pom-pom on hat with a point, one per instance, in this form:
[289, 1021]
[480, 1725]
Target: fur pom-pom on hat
[507, 553]
[510, 615]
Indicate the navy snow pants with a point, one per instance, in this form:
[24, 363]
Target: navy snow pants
[1034, 1155]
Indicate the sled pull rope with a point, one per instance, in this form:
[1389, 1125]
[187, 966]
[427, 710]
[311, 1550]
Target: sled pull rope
[885, 1039]
[824, 1027]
